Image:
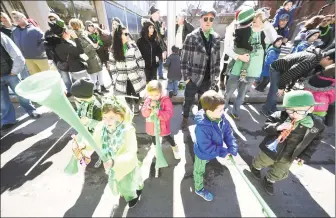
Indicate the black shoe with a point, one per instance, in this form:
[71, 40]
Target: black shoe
[175, 94]
[103, 89]
[7, 126]
[133, 202]
[256, 173]
[68, 95]
[268, 186]
[35, 115]
[171, 94]
[98, 92]
[139, 192]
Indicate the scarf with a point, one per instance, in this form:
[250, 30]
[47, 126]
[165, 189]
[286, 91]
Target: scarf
[85, 109]
[125, 48]
[96, 37]
[207, 33]
[307, 122]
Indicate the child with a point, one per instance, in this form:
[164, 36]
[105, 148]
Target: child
[288, 9]
[116, 136]
[174, 71]
[165, 110]
[272, 54]
[212, 131]
[297, 133]
[89, 109]
[242, 38]
[322, 87]
[311, 37]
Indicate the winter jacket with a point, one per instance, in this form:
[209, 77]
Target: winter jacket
[194, 58]
[161, 35]
[151, 52]
[187, 28]
[282, 31]
[132, 69]
[69, 52]
[30, 41]
[94, 63]
[164, 114]
[302, 46]
[272, 55]
[173, 63]
[51, 40]
[12, 60]
[327, 36]
[304, 150]
[282, 11]
[211, 136]
[324, 95]
[294, 66]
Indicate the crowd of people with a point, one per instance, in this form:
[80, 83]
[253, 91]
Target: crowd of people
[81, 52]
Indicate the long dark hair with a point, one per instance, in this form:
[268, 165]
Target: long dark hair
[145, 31]
[117, 46]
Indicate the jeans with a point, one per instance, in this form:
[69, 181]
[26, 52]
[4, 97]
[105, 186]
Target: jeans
[262, 83]
[160, 70]
[24, 73]
[97, 79]
[173, 86]
[66, 79]
[232, 84]
[7, 108]
[271, 100]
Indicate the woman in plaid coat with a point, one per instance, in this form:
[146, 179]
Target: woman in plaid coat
[127, 67]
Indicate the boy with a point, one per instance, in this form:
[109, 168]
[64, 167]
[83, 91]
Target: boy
[88, 108]
[311, 37]
[173, 63]
[301, 133]
[287, 8]
[212, 131]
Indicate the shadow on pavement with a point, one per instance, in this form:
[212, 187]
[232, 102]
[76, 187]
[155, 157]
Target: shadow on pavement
[13, 172]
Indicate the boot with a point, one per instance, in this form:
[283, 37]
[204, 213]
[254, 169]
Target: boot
[103, 89]
[185, 123]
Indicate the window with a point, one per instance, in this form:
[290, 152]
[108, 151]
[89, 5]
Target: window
[132, 22]
[114, 11]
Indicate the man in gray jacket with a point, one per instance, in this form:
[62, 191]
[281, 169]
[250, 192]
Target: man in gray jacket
[12, 63]
[200, 61]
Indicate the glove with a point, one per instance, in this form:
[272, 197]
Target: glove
[233, 151]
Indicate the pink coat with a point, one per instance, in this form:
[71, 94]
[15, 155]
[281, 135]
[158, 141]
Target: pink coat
[324, 95]
[165, 114]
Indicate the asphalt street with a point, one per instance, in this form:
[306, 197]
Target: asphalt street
[34, 154]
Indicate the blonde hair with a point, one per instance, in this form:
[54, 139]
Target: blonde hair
[154, 86]
[76, 24]
[260, 14]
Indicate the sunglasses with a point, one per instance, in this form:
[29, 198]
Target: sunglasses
[126, 34]
[206, 19]
[91, 25]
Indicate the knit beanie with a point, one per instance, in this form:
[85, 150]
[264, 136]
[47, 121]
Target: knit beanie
[309, 33]
[57, 26]
[284, 17]
[286, 2]
[153, 9]
[82, 88]
[246, 15]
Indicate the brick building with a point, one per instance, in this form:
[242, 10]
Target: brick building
[307, 10]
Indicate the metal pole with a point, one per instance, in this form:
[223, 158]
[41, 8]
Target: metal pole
[171, 21]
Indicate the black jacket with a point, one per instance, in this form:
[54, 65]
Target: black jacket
[5, 61]
[67, 52]
[150, 49]
[187, 28]
[50, 42]
[303, 150]
[161, 37]
[242, 36]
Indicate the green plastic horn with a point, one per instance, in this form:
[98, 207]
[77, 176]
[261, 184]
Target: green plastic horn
[46, 89]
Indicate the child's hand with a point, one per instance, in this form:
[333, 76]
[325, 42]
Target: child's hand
[284, 126]
[153, 103]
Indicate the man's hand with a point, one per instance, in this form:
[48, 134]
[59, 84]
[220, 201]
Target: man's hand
[244, 58]
[280, 92]
[300, 161]
[284, 126]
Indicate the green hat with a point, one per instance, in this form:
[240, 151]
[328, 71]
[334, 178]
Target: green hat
[298, 98]
[246, 15]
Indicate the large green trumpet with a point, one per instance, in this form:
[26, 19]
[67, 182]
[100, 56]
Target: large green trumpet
[46, 89]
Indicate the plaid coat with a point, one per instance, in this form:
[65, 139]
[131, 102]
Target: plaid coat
[132, 69]
[194, 58]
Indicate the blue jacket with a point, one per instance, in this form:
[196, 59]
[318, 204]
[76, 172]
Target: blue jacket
[30, 41]
[282, 11]
[272, 55]
[302, 46]
[210, 138]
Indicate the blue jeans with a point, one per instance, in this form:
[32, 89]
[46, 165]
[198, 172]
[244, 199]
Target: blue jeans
[7, 108]
[160, 69]
[24, 73]
[270, 104]
[232, 84]
[66, 79]
[173, 86]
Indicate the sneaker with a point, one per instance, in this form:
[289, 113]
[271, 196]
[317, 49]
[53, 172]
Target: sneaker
[205, 194]
[234, 116]
[184, 123]
[256, 173]
[175, 94]
[171, 94]
[268, 186]
[7, 126]
[133, 202]
[157, 173]
[176, 152]
[35, 115]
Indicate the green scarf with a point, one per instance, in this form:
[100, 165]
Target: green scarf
[96, 37]
[216, 120]
[125, 48]
[207, 33]
[307, 122]
[85, 108]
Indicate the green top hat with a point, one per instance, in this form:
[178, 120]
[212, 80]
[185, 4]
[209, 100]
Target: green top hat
[246, 15]
[298, 98]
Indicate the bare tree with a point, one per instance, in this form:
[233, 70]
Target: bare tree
[192, 9]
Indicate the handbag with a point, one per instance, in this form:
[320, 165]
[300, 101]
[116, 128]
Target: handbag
[63, 65]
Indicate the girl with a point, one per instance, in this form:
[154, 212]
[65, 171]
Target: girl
[116, 136]
[150, 49]
[156, 99]
[127, 67]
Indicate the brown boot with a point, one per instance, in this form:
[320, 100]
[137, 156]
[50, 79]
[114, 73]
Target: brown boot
[185, 123]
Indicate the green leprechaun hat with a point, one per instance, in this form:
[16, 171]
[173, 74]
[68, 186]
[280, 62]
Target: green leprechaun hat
[246, 15]
[298, 98]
